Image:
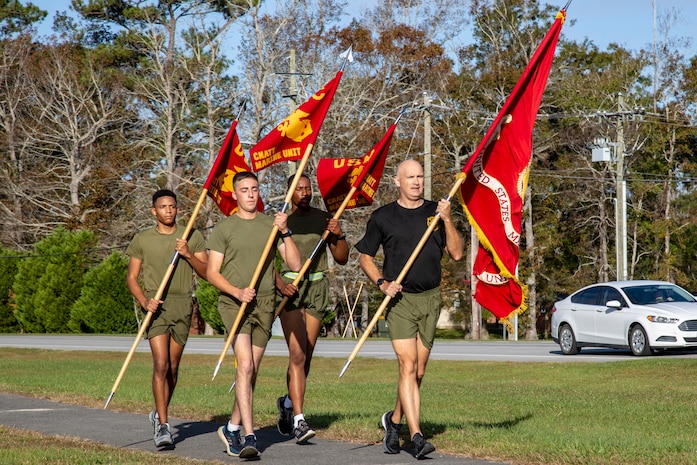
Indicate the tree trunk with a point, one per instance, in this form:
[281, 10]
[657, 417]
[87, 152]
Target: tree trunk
[531, 320]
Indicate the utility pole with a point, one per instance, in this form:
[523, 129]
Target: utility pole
[621, 187]
[601, 153]
[427, 147]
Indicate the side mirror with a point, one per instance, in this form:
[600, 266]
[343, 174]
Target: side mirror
[613, 304]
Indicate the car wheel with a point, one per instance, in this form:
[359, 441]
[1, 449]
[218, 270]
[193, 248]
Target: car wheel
[638, 341]
[567, 340]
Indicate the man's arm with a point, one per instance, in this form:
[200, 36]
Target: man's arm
[454, 244]
[134, 267]
[337, 242]
[287, 289]
[288, 250]
[373, 273]
[198, 260]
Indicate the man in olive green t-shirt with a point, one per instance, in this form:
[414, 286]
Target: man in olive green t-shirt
[235, 246]
[151, 253]
[303, 314]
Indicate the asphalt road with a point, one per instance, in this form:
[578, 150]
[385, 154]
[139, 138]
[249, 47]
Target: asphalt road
[507, 351]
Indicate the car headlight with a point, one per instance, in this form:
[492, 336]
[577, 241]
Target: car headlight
[662, 319]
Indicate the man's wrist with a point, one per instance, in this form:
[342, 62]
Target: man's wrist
[288, 233]
[380, 282]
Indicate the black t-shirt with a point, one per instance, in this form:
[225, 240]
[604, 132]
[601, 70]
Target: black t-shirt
[399, 230]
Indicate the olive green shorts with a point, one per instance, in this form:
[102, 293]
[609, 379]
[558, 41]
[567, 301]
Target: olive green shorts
[173, 317]
[313, 296]
[409, 314]
[257, 320]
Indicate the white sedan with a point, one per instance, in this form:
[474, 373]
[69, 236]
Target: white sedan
[640, 315]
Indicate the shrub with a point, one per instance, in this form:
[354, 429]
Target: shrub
[8, 269]
[207, 296]
[48, 283]
[105, 304]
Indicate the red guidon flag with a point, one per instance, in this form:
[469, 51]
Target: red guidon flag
[289, 140]
[229, 162]
[336, 176]
[496, 178]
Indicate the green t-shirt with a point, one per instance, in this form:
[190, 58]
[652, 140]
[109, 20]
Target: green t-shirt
[156, 250]
[307, 229]
[242, 242]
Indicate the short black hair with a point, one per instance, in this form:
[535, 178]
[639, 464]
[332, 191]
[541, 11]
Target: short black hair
[163, 193]
[243, 175]
[290, 178]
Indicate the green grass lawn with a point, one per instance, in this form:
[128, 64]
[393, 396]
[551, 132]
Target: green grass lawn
[637, 412]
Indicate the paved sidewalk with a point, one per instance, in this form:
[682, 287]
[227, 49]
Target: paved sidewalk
[194, 439]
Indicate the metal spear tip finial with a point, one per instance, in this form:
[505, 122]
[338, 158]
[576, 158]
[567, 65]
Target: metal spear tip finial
[215, 372]
[111, 396]
[345, 368]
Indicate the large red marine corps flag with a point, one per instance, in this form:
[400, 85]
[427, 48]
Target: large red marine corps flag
[496, 178]
[229, 162]
[336, 176]
[289, 140]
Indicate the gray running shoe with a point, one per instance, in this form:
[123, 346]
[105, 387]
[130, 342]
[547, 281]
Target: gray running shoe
[285, 417]
[303, 432]
[250, 447]
[421, 446]
[163, 437]
[154, 421]
[390, 442]
[232, 441]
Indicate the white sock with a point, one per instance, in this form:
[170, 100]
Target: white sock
[297, 419]
[231, 427]
[288, 403]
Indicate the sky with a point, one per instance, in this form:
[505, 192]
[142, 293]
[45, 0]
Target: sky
[628, 23]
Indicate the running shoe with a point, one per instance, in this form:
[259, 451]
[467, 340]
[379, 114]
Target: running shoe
[285, 417]
[421, 446]
[390, 442]
[250, 447]
[303, 432]
[163, 437]
[233, 443]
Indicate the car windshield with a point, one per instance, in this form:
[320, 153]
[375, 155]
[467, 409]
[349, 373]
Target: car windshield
[656, 294]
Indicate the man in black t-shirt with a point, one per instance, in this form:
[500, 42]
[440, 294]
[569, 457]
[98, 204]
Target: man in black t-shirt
[415, 306]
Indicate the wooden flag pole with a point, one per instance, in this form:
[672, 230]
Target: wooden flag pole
[160, 291]
[399, 279]
[262, 260]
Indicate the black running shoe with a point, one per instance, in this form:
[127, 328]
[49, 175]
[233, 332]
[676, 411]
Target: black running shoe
[421, 446]
[391, 440]
[285, 417]
[303, 432]
[231, 439]
[249, 449]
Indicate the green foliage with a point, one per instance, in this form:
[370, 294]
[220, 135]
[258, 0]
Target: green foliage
[17, 18]
[48, 283]
[105, 304]
[8, 269]
[207, 296]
